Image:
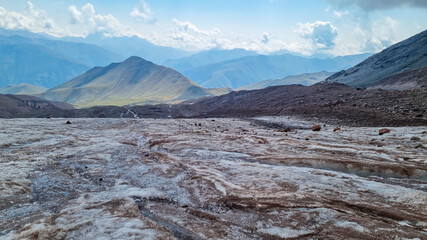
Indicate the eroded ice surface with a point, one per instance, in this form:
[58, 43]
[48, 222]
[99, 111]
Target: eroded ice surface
[209, 179]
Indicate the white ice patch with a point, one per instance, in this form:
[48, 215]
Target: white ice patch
[284, 232]
[352, 225]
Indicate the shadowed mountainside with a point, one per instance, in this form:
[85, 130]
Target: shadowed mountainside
[407, 55]
[407, 80]
[23, 105]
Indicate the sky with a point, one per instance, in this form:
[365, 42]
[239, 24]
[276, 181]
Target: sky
[336, 27]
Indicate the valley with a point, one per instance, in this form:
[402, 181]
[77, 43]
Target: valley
[210, 120]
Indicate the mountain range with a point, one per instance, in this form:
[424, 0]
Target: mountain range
[34, 60]
[133, 81]
[207, 57]
[305, 79]
[247, 70]
[133, 46]
[22, 88]
[405, 56]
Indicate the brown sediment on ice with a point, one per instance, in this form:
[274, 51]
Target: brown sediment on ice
[204, 179]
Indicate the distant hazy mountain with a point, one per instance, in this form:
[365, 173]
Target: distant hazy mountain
[22, 88]
[133, 81]
[248, 70]
[31, 58]
[35, 64]
[404, 56]
[305, 79]
[134, 46]
[207, 57]
[87, 54]
[23, 105]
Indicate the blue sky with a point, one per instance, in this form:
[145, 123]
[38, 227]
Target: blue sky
[337, 27]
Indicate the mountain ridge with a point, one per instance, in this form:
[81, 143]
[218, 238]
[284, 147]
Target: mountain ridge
[303, 79]
[23, 88]
[243, 71]
[133, 81]
[409, 54]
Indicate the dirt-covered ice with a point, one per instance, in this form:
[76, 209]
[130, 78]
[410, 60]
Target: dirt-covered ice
[264, 178]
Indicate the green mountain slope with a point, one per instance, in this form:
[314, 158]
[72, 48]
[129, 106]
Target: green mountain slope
[133, 81]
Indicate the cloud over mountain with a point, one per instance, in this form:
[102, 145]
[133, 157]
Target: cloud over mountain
[265, 38]
[31, 19]
[187, 35]
[322, 34]
[88, 22]
[142, 12]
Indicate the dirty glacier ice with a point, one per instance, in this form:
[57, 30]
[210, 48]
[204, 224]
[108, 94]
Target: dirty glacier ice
[209, 179]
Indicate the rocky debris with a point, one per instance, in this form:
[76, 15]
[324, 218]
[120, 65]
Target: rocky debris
[414, 138]
[337, 129]
[316, 128]
[285, 130]
[68, 122]
[383, 131]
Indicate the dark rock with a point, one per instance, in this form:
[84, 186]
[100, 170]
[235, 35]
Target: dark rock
[383, 131]
[68, 122]
[415, 138]
[285, 130]
[316, 128]
[337, 129]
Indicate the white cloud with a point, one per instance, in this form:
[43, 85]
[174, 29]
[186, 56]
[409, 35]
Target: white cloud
[142, 12]
[265, 38]
[76, 16]
[367, 36]
[340, 14]
[370, 5]
[31, 19]
[322, 34]
[86, 22]
[186, 35]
